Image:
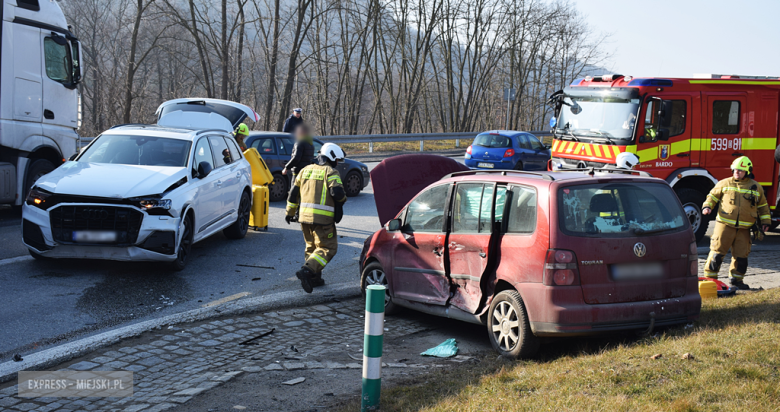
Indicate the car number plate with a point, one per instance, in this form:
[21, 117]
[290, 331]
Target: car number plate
[486, 165]
[94, 236]
[637, 271]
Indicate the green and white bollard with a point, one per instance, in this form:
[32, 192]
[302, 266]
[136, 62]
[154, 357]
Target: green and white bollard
[372, 347]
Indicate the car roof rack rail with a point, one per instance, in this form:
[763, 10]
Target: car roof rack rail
[545, 176]
[593, 170]
[129, 124]
[200, 132]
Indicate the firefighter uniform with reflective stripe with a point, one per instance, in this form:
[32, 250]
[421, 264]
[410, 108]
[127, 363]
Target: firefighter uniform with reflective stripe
[319, 195]
[742, 204]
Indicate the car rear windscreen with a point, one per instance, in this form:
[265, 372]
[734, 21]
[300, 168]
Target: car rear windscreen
[492, 140]
[619, 209]
[137, 150]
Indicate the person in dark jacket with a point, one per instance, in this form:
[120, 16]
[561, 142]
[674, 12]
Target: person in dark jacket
[293, 121]
[302, 152]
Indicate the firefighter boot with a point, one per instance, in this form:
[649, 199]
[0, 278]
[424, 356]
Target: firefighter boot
[307, 279]
[318, 281]
[739, 284]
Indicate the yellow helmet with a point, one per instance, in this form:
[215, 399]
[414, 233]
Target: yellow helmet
[242, 129]
[742, 163]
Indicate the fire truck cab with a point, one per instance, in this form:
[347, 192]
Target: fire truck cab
[687, 131]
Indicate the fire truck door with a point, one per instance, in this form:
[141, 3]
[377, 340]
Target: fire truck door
[726, 128]
[674, 137]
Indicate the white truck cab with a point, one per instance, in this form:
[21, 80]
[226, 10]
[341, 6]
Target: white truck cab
[40, 68]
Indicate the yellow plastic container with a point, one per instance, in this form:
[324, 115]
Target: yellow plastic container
[708, 289]
[260, 173]
[258, 217]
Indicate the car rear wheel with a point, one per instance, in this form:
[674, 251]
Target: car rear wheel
[519, 166]
[238, 229]
[374, 274]
[353, 184]
[277, 191]
[508, 327]
[185, 245]
[691, 201]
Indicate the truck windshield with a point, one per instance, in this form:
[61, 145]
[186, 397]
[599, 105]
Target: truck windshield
[137, 150]
[599, 117]
[619, 210]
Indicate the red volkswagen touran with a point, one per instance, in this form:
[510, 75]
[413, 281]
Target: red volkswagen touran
[531, 254]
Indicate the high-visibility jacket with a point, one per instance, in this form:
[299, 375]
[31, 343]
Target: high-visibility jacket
[318, 193]
[742, 203]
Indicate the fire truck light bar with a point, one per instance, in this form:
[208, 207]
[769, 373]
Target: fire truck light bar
[651, 82]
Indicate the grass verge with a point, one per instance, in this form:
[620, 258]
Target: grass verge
[735, 367]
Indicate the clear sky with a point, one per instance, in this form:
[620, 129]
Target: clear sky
[677, 38]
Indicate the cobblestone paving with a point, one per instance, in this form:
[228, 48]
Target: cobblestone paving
[173, 365]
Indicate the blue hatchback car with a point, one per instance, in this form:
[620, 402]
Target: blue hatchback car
[507, 149]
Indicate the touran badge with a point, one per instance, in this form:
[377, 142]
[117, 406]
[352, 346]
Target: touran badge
[640, 249]
[663, 151]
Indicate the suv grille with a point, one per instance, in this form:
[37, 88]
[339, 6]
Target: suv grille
[125, 221]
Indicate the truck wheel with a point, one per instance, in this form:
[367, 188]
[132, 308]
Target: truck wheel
[374, 274]
[692, 200]
[777, 154]
[509, 328]
[37, 169]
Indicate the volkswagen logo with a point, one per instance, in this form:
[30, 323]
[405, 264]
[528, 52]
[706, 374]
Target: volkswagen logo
[94, 213]
[640, 249]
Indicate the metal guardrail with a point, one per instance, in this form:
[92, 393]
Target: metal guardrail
[421, 137]
[390, 138]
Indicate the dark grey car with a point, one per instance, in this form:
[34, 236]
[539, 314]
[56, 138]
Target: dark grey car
[276, 149]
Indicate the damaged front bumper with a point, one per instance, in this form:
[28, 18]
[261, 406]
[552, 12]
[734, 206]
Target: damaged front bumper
[156, 240]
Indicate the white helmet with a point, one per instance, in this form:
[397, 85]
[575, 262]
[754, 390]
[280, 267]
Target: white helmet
[332, 151]
[627, 160]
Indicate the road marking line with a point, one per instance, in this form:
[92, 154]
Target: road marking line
[15, 260]
[226, 299]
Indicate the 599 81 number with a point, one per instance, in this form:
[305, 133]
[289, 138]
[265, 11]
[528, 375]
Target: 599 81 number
[723, 143]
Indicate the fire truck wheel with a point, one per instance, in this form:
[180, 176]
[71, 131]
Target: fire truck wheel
[777, 154]
[692, 200]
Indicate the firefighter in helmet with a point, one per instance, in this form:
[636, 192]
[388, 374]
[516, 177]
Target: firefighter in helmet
[241, 133]
[319, 194]
[742, 206]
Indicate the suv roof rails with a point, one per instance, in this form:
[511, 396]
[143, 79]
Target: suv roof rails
[593, 170]
[544, 176]
[200, 132]
[129, 124]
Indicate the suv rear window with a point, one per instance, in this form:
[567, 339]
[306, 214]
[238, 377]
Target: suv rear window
[492, 140]
[619, 209]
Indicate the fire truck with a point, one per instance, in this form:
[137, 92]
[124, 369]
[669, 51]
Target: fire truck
[687, 131]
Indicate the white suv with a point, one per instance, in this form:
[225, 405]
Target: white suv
[146, 192]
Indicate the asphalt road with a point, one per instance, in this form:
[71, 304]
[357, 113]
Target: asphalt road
[46, 303]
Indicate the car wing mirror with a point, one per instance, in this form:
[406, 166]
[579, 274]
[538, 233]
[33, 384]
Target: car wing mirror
[394, 225]
[204, 168]
[73, 156]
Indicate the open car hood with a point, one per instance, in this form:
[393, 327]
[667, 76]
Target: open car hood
[198, 113]
[396, 180]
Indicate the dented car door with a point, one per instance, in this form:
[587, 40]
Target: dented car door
[418, 272]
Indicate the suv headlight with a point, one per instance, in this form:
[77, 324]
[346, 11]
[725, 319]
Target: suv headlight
[37, 198]
[147, 204]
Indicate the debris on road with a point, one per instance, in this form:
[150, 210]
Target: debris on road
[250, 341]
[446, 349]
[354, 357]
[294, 381]
[18, 357]
[254, 279]
[656, 356]
[688, 356]
[256, 266]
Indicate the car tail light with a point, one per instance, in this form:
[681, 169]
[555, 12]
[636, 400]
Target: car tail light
[693, 259]
[509, 153]
[561, 268]
[468, 150]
